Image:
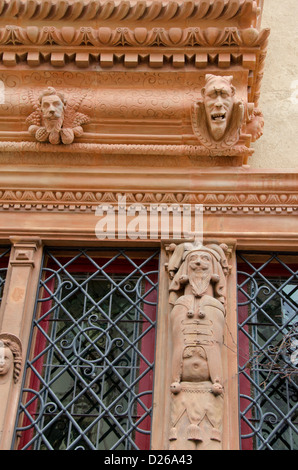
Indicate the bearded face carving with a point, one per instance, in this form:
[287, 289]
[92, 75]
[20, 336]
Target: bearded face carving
[54, 121]
[199, 272]
[52, 109]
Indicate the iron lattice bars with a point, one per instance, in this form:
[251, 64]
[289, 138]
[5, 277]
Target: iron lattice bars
[268, 350]
[89, 374]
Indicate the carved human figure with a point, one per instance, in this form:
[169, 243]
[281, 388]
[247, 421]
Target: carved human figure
[52, 109]
[197, 293]
[10, 357]
[218, 97]
[217, 118]
[53, 121]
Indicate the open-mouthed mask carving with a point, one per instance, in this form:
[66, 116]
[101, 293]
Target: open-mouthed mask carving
[218, 98]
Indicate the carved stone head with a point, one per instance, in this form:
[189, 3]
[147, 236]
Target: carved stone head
[218, 97]
[218, 116]
[51, 104]
[54, 120]
[199, 271]
[201, 268]
[10, 357]
[6, 358]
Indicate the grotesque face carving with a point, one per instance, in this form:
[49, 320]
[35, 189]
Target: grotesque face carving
[199, 271]
[218, 98]
[6, 359]
[199, 261]
[52, 107]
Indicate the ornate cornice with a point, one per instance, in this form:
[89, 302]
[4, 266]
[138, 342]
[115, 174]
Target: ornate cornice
[177, 42]
[217, 203]
[138, 37]
[130, 10]
[156, 48]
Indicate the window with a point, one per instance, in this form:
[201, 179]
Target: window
[4, 259]
[89, 373]
[268, 350]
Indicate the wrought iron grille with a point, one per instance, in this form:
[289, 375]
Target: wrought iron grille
[4, 259]
[89, 375]
[268, 350]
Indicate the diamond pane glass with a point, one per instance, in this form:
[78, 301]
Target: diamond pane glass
[268, 350]
[90, 370]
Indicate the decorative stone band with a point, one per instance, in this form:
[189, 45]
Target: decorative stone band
[196, 387]
[144, 10]
[55, 200]
[105, 37]
[129, 149]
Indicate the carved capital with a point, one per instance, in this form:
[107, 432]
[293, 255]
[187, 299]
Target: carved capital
[24, 250]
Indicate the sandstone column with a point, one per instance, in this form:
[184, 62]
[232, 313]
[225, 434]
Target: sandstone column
[15, 324]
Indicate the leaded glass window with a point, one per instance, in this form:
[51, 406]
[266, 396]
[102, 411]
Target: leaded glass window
[89, 374]
[268, 350]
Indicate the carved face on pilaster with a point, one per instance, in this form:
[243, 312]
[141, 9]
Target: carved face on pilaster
[218, 97]
[6, 359]
[199, 270]
[10, 357]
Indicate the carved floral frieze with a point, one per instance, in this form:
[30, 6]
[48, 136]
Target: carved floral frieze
[246, 203]
[123, 36]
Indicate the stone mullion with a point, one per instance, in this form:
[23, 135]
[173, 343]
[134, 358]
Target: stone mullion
[166, 344]
[15, 319]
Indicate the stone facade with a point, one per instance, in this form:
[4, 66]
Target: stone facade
[158, 104]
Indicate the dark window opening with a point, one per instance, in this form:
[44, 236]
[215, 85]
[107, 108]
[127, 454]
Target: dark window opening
[89, 375]
[268, 350]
